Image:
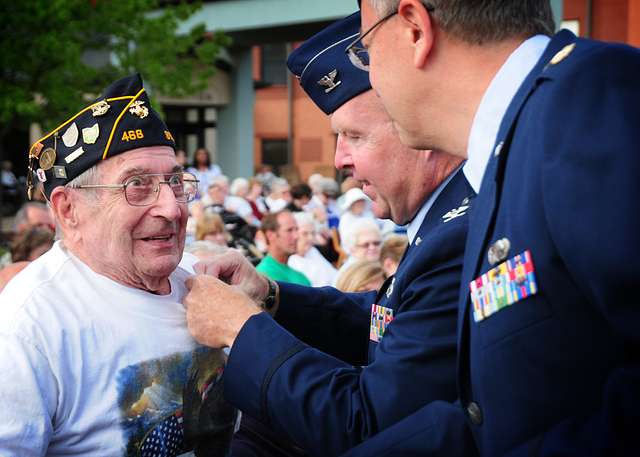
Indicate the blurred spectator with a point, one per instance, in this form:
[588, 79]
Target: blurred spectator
[354, 207]
[210, 227]
[10, 188]
[237, 201]
[204, 170]
[307, 257]
[325, 198]
[362, 241]
[33, 214]
[314, 182]
[31, 243]
[279, 195]
[349, 183]
[300, 197]
[181, 158]
[362, 276]
[256, 199]
[265, 175]
[281, 232]
[205, 250]
[391, 253]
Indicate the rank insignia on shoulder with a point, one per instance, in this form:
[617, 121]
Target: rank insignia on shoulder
[329, 81]
[502, 286]
[381, 317]
[137, 109]
[562, 54]
[457, 212]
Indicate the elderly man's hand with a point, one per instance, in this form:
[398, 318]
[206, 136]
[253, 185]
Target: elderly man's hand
[216, 311]
[233, 268]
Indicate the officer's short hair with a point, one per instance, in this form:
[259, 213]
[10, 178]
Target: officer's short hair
[484, 22]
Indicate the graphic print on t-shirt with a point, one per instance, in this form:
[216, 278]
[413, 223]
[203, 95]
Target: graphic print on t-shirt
[173, 405]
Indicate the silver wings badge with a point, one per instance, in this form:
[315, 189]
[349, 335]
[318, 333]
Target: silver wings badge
[329, 81]
[457, 212]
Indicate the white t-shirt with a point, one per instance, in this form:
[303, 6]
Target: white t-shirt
[90, 367]
[315, 267]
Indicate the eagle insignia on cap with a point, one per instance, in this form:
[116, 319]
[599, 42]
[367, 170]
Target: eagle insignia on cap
[138, 110]
[329, 81]
[100, 108]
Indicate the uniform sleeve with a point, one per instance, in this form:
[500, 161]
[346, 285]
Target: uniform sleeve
[28, 397]
[591, 184]
[328, 406]
[327, 319]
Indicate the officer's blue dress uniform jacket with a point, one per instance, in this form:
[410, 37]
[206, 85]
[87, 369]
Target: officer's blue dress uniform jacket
[311, 390]
[556, 373]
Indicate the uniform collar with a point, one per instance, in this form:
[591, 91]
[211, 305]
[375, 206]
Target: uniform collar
[418, 219]
[494, 104]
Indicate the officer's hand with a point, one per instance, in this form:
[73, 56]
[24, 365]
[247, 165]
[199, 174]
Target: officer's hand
[216, 311]
[233, 268]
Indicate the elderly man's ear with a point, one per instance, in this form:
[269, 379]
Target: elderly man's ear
[64, 208]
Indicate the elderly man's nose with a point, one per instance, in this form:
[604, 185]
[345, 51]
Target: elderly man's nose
[167, 205]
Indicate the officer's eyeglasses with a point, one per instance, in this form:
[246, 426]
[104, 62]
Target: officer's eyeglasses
[357, 51]
[144, 189]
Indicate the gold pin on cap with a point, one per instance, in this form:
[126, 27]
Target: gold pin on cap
[562, 54]
[47, 159]
[100, 108]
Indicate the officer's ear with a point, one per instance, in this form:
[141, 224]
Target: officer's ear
[417, 29]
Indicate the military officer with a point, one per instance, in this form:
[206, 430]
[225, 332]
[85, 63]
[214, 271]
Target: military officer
[548, 342]
[306, 381]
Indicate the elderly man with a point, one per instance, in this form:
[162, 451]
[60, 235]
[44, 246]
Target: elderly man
[404, 333]
[548, 357]
[95, 353]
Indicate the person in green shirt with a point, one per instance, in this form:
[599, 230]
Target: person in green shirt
[281, 231]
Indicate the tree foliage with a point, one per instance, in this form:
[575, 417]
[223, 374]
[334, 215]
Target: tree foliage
[47, 47]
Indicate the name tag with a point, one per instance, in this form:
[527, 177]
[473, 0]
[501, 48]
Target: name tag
[502, 286]
[381, 317]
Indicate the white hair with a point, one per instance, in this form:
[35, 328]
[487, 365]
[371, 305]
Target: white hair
[354, 231]
[303, 218]
[90, 176]
[239, 186]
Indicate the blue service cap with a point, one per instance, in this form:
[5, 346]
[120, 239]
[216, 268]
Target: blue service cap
[324, 69]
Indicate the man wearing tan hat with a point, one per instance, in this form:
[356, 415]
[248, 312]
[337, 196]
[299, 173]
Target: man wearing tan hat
[94, 348]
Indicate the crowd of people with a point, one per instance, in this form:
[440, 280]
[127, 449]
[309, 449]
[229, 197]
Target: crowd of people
[502, 323]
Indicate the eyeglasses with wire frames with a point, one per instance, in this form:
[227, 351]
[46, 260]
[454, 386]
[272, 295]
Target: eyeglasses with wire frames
[369, 244]
[144, 189]
[357, 51]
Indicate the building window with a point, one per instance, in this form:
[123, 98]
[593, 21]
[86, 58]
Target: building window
[274, 64]
[274, 153]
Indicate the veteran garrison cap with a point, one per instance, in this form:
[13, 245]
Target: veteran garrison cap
[323, 67]
[119, 120]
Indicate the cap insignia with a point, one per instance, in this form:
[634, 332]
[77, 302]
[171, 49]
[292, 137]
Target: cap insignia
[90, 134]
[100, 108]
[70, 137]
[562, 54]
[47, 159]
[329, 81]
[138, 110]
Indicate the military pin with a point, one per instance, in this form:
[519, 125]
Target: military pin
[329, 81]
[42, 177]
[418, 241]
[499, 251]
[498, 149]
[37, 149]
[137, 109]
[60, 172]
[47, 159]
[562, 54]
[100, 108]
[70, 137]
[90, 134]
[74, 155]
[390, 288]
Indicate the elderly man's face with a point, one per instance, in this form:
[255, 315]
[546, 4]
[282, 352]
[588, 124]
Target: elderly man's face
[369, 147]
[138, 246]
